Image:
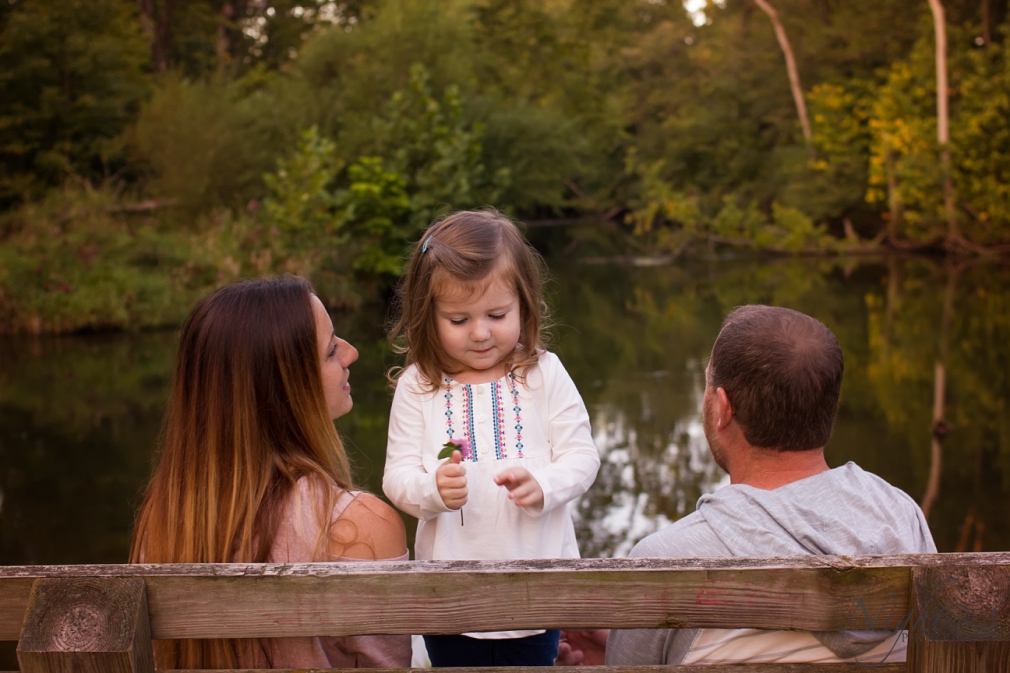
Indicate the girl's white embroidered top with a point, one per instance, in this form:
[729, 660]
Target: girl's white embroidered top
[540, 424]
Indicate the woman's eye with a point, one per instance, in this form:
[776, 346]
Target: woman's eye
[457, 322]
[497, 316]
[333, 351]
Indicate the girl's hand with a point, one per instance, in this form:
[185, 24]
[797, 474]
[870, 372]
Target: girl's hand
[450, 478]
[523, 488]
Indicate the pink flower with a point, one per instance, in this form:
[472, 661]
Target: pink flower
[463, 446]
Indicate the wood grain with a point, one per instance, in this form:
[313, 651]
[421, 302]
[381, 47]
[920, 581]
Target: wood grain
[960, 620]
[86, 625]
[257, 600]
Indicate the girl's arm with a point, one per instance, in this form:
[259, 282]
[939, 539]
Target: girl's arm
[574, 457]
[406, 481]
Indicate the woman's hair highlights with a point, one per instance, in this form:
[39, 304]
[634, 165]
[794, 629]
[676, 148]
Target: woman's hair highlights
[247, 417]
[465, 252]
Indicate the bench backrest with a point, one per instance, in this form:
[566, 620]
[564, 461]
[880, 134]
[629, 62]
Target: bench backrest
[956, 607]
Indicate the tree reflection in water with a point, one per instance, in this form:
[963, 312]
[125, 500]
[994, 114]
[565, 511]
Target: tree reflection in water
[636, 342]
[80, 416]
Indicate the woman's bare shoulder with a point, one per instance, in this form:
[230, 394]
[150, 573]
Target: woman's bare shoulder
[368, 529]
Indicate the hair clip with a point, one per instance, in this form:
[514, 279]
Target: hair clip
[424, 248]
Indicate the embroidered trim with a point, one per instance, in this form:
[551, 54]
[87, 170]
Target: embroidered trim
[467, 427]
[469, 434]
[500, 450]
[519, 415]
[448, 407]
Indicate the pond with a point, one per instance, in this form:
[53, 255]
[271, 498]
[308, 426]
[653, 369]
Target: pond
[80, 416]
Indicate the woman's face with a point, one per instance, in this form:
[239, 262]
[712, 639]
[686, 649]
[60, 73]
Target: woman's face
[335, 356]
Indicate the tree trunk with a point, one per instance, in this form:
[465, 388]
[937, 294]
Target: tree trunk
[163, 35]
[794, 76]
[223, 47]
[157, 30]
[893, 198]
[954, 237]
[145, 10]
[229, 32]
[986, 31]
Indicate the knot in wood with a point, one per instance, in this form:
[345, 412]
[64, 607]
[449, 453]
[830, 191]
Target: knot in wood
[82, 614]
[81, 628]
[967, 604]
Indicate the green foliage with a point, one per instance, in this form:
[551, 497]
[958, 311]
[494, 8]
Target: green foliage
[981, 143]
[208, 143]
[427, 158]
[904, 149]
[544, 109]
[71, 78]
[378, 212]
[74, 262]
[672, 220]
[301, 205]
[436, 149]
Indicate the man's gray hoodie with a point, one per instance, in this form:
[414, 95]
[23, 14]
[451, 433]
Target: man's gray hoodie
[844, 511]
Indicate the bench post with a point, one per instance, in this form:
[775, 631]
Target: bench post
[960, 619]
[87, 625]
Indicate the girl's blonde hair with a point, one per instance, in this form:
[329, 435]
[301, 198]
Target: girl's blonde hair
[467, 251]
[246, 418]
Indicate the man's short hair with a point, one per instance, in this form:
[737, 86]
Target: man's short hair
[782, 372]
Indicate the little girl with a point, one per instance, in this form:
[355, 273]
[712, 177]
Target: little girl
[477, 372]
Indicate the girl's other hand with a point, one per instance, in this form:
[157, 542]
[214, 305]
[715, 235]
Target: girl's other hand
[450, 478]
[522, 487]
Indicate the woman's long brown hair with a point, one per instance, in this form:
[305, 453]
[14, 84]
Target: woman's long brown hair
[247, 417]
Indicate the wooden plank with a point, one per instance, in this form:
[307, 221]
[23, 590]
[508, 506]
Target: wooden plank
[14, 593]
[726, 668]
[806, 599]
[86, 625]
[275, 600]
[33, 572]
[960, 620]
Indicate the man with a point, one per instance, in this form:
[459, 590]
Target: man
[771, 393]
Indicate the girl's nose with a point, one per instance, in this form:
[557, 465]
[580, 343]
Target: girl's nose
[480, 331]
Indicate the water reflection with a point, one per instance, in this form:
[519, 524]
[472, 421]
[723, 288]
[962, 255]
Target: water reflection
[78, 420]
[645, 482]
[79, 417]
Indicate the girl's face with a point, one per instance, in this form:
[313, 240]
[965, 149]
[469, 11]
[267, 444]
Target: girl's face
[335, 357]
[477, 333]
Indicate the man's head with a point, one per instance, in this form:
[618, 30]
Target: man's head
[780, 372]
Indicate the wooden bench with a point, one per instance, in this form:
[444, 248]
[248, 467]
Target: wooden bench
[956, 607]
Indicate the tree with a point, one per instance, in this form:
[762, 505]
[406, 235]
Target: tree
[794, 76]
[157, 27]
[954, 238]
[72, 79]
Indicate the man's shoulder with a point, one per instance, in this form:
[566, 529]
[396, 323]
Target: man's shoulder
[689, 536]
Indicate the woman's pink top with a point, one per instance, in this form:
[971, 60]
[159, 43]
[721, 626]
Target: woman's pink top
[295, 543]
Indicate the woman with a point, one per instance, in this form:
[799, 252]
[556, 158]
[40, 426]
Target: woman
[252, 468]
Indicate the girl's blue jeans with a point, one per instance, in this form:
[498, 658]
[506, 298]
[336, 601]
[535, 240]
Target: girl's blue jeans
[460, 651]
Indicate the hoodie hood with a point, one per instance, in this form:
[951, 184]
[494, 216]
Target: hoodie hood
[844, 511]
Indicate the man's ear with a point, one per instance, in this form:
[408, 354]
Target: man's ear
[723, 408]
